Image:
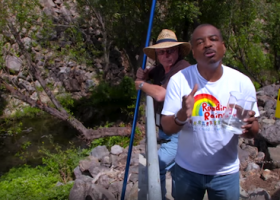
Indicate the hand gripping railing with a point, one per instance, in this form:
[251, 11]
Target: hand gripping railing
[154, 187]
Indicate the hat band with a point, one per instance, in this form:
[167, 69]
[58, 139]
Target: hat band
[166, 40]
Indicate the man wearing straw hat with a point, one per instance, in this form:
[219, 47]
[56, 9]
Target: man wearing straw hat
[169, 55]
[195, 102]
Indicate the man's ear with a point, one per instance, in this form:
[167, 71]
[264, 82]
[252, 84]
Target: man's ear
[193, 54]
[224, 48]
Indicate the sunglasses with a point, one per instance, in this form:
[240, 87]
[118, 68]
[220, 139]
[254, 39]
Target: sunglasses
[167, 51]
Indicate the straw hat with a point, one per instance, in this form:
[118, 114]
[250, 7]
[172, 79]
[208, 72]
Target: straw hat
[167, 39]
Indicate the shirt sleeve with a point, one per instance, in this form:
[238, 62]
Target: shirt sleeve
[173, 99]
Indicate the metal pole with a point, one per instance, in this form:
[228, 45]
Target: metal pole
[154, 186]
[137, 104]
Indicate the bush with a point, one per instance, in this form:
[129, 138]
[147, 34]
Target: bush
[32, 183]
[62, 162]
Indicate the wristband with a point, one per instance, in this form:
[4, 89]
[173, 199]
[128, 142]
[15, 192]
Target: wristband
[179, 122]
[140, 85]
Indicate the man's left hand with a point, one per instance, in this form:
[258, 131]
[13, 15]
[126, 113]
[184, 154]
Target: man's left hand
[247, 128]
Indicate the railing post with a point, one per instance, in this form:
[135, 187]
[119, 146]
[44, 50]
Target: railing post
[154, 187]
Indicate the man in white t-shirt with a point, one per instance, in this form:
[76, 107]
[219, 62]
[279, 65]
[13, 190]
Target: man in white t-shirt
[196, 97]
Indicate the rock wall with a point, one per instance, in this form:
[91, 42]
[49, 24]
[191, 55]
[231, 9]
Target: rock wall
[100, 175]
[259, 157]
[64, 75]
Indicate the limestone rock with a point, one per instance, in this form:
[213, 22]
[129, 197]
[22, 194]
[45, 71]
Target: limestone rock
[99, 152]
[116, 150]
[274, 154]
[13, 63]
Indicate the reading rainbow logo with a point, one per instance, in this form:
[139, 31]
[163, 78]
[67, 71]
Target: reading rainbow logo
[199, 100]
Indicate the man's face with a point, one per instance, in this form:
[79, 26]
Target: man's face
[167, 56]
[207, 45]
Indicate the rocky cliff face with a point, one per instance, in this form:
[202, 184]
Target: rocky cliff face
[64, 75]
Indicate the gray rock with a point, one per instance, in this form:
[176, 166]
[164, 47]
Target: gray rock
[64, 70]
[106, 161]
[13, 63]
[66, 13]
[77, 172]
[116, 150]
[94, 170]
[23, 84]
[132, 193]
[47, 3]
[72, 85]
[27, 42]
[253, 151]
[87, 163]
[274, 154]
[270, 90]
[133, 178]
[78, 190]
[243, 193]
[134, 169]
[270, 104]
[244, 157]
[268, 121]
[260, 157]
[114, 160]
[116, 188]
[261, 100]
[105, 181]
[98, 192]
[252, 167]
[277, 122]
[34, 96]
[99, 152]
[89, 84]
[271, 134]
[259, 194]
[58, 1]
[277, 185]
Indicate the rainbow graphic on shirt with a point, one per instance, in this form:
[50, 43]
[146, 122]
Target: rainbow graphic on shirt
[204, 102]
[207, 113]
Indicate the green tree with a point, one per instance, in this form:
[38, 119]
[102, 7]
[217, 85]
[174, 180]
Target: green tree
[242, 24]
[123, 24]
[272, 29]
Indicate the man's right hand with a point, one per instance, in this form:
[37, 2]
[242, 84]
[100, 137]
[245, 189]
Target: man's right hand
[187, 105]
[142, 75]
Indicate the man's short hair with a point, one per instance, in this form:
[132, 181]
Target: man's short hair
[202, 25]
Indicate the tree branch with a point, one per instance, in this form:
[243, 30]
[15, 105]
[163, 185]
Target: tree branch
[33, 68]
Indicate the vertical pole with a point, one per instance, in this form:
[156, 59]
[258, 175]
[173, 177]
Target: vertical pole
[137, 104]
[277, 111]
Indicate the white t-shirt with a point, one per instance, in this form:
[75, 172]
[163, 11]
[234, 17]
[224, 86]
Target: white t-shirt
[204, 146]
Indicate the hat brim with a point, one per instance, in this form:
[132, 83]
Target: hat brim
[185, 48]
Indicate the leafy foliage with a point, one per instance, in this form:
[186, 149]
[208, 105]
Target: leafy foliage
[10, 126]
[27, 112]
[32, 183]
[116, 140]
[121, 94]
[250, 29]
[62, 162]
[66, 101]
[112, 101]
